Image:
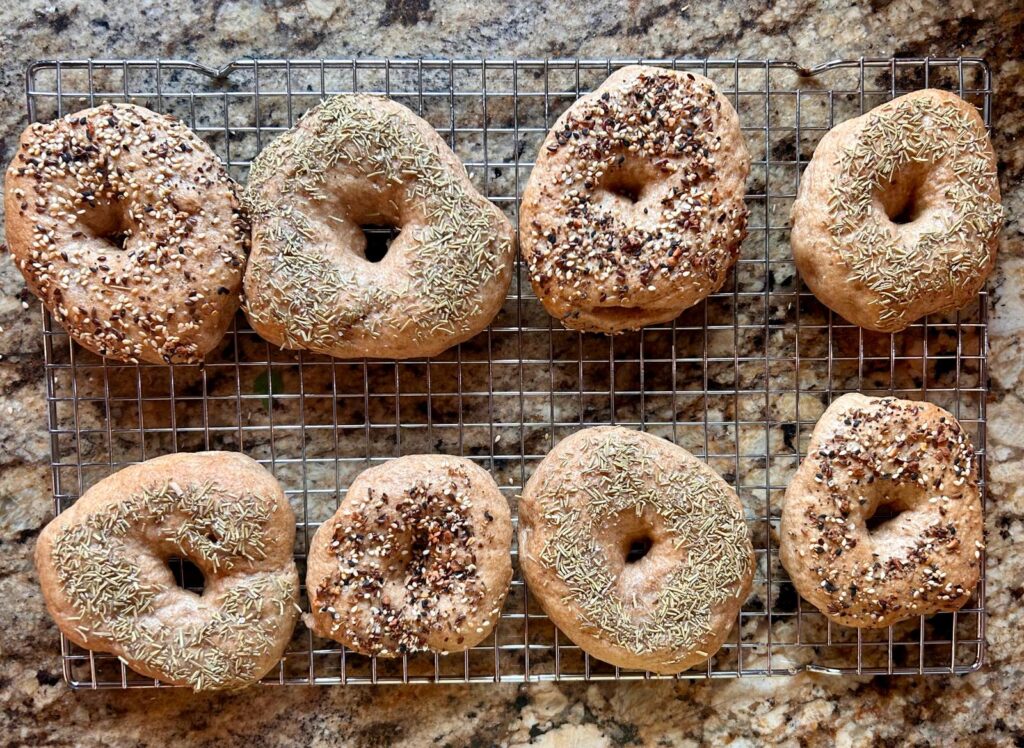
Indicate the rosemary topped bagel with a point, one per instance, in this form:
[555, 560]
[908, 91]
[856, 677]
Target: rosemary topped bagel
[356, 161]
[898, 213]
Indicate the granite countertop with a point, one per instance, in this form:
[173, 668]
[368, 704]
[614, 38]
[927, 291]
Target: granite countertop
[981, 708]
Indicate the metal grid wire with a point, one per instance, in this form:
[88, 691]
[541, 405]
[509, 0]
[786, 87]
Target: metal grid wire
[739, 379]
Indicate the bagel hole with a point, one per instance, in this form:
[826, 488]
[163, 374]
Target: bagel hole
[637, 548]
[378, 240]
[904, 211]
[880, 519]
[111, 225]
[187, 575]
[625, 184]
[901, 197]
[119, 239]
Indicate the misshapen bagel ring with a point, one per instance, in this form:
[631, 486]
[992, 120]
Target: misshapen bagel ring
[128, 228]
[634, 210]
[898, 212]
[417, 558]
[358, 160]
[103, 569]
[911, 459]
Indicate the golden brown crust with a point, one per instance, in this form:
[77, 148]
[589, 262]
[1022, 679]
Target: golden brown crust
[925, 159]
[417, 558]
[634, 210]
[598, 494]
[103, 569]
[912, 458]
[128, 228]
[359, 160]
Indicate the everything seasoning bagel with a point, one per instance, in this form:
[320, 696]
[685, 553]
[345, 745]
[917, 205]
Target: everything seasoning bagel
[634, 210]
[417, 558]
[128, 228]
[911, 460]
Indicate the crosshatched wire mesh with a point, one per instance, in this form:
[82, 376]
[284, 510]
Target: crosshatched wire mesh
[739, 380]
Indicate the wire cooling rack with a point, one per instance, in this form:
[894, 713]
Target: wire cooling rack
[739, 379]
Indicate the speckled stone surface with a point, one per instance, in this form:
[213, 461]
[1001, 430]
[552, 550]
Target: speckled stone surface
[981, 708]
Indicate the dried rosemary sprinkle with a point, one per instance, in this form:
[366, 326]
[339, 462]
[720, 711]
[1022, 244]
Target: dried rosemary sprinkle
[944, 261]
[617, 475]
[100, 576]
[313, 302]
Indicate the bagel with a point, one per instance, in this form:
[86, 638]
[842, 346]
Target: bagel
[911, 458]
[635, 549]
[127, 227]
[634, 210]
[103, 569]
[358, 160]
[897, 215]
[417, 558]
